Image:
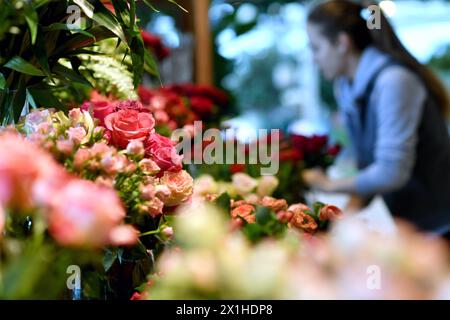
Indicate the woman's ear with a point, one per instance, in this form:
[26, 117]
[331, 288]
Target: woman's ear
[343, 43]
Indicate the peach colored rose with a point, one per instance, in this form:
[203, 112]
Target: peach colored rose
[304, 221]
[243, 183]
[274, 204]
[180, 184]
[330, 212]
[243, 211]
[126, 125]
[266, 185]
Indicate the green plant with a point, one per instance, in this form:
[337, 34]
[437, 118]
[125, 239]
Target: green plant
[37, 36]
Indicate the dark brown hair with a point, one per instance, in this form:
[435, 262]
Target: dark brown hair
[336, 16]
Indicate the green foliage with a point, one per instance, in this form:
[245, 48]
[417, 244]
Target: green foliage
[35, 37]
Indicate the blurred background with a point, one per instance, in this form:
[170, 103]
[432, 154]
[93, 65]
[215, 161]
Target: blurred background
[258, 51]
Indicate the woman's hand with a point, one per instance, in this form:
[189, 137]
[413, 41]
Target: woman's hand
[316, 178]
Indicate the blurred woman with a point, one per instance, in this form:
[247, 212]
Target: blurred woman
[395, 111]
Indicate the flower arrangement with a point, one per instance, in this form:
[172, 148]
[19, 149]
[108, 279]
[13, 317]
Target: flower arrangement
[207, 262]
[127, 156]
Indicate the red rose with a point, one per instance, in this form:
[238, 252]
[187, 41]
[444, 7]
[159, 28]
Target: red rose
[161, 150]
[235, 168]
[127, 125]
[334, 150]
[100, 109]
[290, 155]
[145, 94]
[202, 105]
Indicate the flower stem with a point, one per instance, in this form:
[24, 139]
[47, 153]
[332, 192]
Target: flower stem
[149, 233]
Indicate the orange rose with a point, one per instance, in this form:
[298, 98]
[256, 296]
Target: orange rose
[274, 204]
[243, 211]
[304, 221]
[330, 212]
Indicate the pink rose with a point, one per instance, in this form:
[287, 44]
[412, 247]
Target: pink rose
[127, 125]
[167, 232]
[155, 207]
[180, 184]
[330, 212]
[298, 207]
[19, 176]
[162, 192]
[99, 109]
[162, 151]
[124, 235]
[85, 215]
[148, 192]
[149, 166]
[136, 148]
[2, 221]
[65, 146]
[81, 157]
[76, 134]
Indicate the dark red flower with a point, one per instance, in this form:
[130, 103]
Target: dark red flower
[155, 44]
[202, 105]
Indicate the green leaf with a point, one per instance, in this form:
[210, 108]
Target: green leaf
[316, 207]
[86, 6]
[150, 6]
[2, 81]
[109, 258]
[179, 6]
[64, 26]
[45, 98]
[150, 65]
[263, 215]
[78, 41]
[137, 57]
[223, 201]
[19, 101]
[30, 99]
[105, 18]
[132, 14]
[18, 64]
[41, 55]
[32, 20]
[70, 75]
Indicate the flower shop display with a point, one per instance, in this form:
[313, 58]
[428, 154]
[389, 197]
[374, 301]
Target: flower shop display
[352, 262]
[127, 156]
[50, 220]
[294, 154]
